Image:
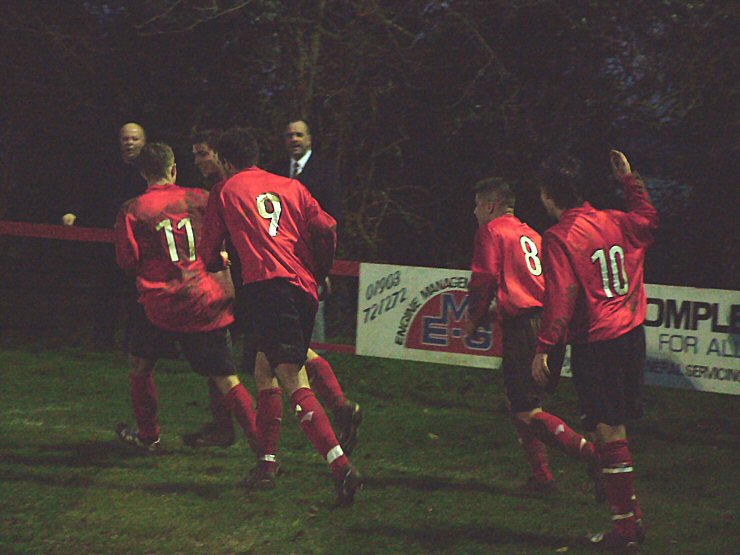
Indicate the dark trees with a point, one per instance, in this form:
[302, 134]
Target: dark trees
[415, 100]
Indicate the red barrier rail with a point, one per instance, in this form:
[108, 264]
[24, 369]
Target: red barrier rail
[349, 268]
[63, 232]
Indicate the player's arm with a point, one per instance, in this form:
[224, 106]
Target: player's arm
[636, 196]
[127, 249]
[483, 284]
[561, 292]
[322, 230]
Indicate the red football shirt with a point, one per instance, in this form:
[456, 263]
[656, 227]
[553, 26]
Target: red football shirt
[594, 270]
[276, 226]
[506, 264]
[157, 237]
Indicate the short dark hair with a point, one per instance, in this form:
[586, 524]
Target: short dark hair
[206, 136]
[304, 121]
[496, 186]
[155, 159]
[238, 146]
[562, 179]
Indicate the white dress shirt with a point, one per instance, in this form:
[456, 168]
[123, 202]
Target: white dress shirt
[301, 163]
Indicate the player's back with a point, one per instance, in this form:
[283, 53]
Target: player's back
[164, 227]
[521, 284]
[607, 256]
[267, 217]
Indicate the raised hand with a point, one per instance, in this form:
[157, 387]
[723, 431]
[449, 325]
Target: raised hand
[620, 164]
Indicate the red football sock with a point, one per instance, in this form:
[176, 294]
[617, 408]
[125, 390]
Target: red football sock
[324, 382]
[269, 417]
[315, 424]
[220, 408]
[619, 485]
[534, 451]
[242, 405]
[556, 433]
[144, 398]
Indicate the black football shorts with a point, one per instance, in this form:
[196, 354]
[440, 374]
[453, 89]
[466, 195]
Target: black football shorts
[608, 376]
[209, 353]
[281, 318]
[519, 343]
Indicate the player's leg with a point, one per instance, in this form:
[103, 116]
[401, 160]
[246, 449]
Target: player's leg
[256, 318]
[269, 420]
[614, 382]
[323, 380]
[143, 347]
[209, 354]
[619, 488]
[553, 431]
[311, 416]
[316, 426]
[348, 415]
[549, 428]
[524, 399]
[285, 335]
[219, 432]
[241, 404]
[220, 410]
[541, 480]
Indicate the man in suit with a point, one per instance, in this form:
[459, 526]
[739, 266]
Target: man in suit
[122, 182]
[316, 173]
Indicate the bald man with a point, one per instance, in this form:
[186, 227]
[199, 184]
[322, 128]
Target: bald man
[109, 191]
[131, 139]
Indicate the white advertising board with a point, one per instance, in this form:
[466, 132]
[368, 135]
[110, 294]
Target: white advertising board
[412, 313]
[693, 338]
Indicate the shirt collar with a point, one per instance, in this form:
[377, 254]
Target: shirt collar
[301, 161]
[160, 186]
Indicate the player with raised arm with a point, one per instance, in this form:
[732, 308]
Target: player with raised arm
[157, 238]
[285, 242]
[595, 300]
[507, 275]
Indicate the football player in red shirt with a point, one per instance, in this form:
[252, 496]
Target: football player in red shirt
[595, 300]
[347, 414]
[507, 275]
[220, 431]
[157, 238]
[285, 243]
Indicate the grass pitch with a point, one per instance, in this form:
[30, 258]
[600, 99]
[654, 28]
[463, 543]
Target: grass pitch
[440, 456]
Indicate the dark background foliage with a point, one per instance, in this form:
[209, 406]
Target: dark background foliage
[414, 100]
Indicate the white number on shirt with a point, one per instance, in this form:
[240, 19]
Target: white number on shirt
[618, 278]
[171, 246]
[269, 207]
[530, 255]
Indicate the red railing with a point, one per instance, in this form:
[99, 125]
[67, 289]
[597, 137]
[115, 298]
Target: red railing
[347, 268]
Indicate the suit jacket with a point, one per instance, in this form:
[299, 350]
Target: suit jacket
[119, 183]
[320, 177]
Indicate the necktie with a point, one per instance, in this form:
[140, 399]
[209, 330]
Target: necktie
[296, 168]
